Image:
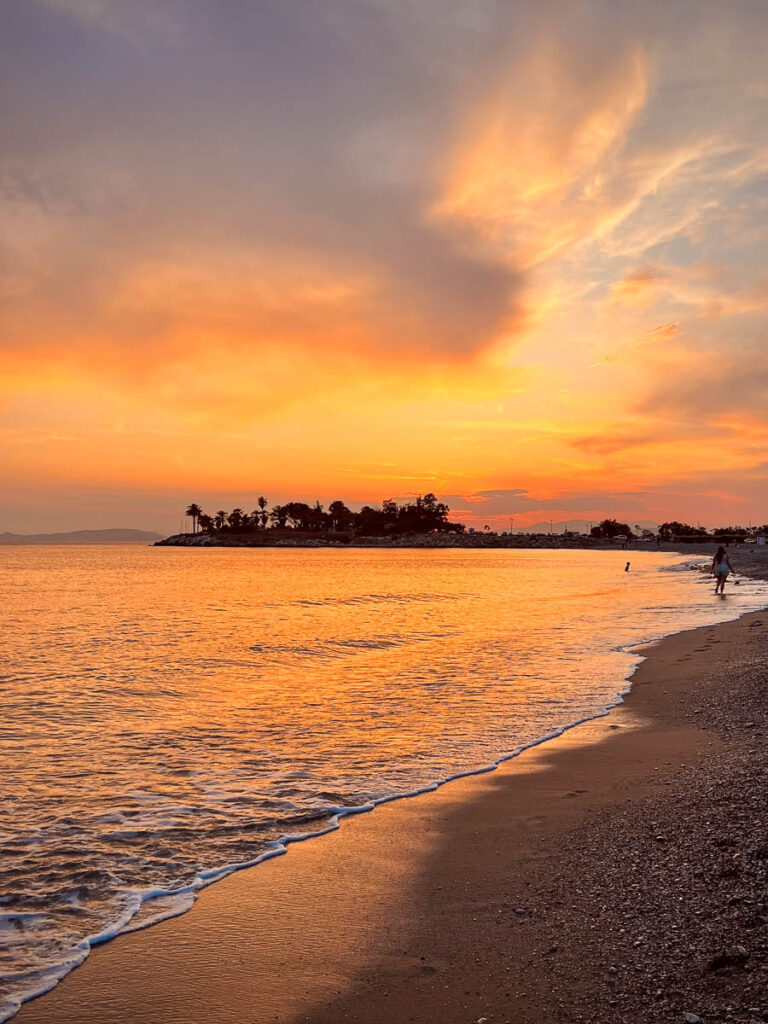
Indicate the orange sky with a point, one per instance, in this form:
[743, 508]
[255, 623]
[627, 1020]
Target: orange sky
[513, 254]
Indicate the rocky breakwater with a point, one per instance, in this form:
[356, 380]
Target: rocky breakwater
[294, 538]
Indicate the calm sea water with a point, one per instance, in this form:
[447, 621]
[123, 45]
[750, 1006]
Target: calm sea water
[169, 713]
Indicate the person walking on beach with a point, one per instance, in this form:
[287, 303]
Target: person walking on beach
[721, 566]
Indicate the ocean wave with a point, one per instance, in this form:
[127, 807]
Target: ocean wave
[189, 762]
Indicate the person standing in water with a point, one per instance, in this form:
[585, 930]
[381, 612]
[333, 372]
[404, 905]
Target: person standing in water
[721, 566]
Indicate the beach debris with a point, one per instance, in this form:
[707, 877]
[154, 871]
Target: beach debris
[692, 1018]
[482, 1020]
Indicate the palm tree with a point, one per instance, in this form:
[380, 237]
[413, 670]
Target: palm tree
[194, 512]
[220, 518]
[235, 518]
[262, 503]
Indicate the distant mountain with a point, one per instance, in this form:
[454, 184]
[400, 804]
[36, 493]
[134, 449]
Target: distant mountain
[83, 537]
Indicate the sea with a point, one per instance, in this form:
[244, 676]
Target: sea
[170, 715]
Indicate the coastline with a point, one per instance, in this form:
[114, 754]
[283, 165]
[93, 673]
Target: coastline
[438, 540]
[449, 540]
[437, 881]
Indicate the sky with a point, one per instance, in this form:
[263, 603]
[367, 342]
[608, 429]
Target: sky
[515, 254]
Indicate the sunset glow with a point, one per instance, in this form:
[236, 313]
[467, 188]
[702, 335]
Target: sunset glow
[514, 254]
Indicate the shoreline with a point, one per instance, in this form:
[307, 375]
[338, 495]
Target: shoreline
[295, 539]
[447, 540]
[250, 901]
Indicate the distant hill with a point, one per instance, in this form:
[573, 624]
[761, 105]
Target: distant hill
[577, 525]
[83, 537]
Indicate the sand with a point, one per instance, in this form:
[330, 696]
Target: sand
[617, 873]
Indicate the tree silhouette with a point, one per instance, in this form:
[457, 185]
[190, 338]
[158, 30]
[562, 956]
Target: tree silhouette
[678, 529]
[425, 514]
[341, 517]
[318, 518]
[279, 515]
[194, 512]
[299, 514]
[609, 529]
[372, 522]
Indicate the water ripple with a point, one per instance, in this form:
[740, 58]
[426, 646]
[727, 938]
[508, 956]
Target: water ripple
[163, 722]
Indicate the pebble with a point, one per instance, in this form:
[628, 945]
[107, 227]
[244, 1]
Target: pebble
[717, 812]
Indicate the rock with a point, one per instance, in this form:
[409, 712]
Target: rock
[613, 970]
[692, 1018]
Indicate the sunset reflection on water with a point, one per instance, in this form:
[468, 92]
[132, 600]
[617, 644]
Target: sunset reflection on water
[169, 710]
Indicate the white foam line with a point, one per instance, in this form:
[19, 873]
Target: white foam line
[278, 847]
[275, 848]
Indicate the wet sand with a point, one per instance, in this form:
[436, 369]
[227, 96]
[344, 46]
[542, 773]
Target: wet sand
[577, 882]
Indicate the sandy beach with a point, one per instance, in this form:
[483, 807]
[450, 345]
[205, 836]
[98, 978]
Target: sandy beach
[617, 873]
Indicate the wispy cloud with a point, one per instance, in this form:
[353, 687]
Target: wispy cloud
[461, 243]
